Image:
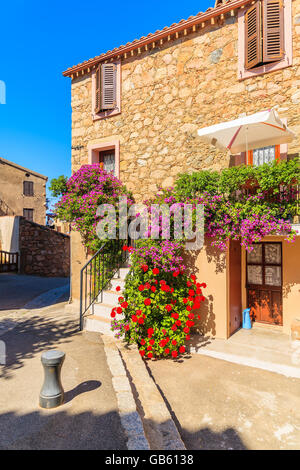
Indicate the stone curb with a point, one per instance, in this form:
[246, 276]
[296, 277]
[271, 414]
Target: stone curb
[130, 419]
[160, 429]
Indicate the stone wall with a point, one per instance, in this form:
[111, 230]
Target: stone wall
[43, 251]
[171, 91]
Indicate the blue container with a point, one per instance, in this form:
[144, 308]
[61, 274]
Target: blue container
[246, 319]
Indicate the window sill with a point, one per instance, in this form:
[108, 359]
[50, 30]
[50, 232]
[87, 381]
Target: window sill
[272, 67]
[106, 114]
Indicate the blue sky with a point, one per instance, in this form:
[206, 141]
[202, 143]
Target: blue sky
[41, 39]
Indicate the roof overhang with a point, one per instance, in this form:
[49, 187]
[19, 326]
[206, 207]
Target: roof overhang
[150, 39]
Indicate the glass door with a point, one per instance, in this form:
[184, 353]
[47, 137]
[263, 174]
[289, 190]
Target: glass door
[264, 282]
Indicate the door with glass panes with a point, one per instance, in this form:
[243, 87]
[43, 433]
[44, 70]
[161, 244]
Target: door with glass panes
[264, 282]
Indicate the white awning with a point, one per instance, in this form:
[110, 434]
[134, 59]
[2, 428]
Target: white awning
[249, 132]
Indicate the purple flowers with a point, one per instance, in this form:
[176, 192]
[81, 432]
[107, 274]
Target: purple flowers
[88, 188]
[249, 217]
[163, 254]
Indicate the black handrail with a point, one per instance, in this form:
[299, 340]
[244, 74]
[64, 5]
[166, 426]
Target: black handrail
[98, 271]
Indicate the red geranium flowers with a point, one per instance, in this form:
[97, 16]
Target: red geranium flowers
[171, 299]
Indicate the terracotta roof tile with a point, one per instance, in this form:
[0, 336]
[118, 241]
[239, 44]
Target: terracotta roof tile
[159, 34]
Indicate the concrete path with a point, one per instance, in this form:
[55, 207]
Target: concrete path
[17, 290]
[221, 405]
[267, 349]
[89, 419]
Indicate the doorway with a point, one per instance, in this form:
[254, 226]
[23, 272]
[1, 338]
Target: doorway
[235, 294]
[264, 282]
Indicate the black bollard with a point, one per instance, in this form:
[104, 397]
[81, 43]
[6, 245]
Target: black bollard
[52, 393]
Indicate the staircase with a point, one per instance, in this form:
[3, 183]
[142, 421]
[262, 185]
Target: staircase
[99, 318]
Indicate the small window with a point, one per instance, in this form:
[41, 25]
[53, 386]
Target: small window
[28, 214]
[107, 161]
[28, 188]
[260, 156]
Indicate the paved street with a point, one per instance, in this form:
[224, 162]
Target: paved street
[89, 417]
[16, 290]
[221, 405]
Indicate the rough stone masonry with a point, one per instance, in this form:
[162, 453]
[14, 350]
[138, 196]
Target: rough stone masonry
[43, 251]
[169, 92]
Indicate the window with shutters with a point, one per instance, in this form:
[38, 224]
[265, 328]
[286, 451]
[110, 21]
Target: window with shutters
[107, 154]
[265, 37]
[106, 90]
[28, 214]
[28, 188]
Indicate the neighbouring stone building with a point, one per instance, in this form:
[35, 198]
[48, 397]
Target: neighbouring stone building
[22, 192]
[41, 250]
[165, 86]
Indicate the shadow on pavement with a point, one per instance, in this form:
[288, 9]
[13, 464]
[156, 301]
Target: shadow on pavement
[206, 439]
[84, 387]
[35, 334]
[61, 430]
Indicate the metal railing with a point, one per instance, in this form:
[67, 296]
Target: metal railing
[8, 261]
[98, 271]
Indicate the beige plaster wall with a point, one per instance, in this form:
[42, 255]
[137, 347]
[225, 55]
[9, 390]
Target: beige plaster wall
[78, 259]
[9, 233]
[210, 266]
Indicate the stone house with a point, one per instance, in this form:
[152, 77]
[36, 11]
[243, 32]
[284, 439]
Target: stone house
[22, 192]
[136, 110]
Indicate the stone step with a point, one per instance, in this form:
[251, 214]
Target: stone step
[110, 297]
[99, 324]
[114, 283]
[103, 310]
[121, 273]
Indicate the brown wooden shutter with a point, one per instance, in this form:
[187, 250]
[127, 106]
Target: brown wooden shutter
[253, 52]
[273, 29]
[108, 86]
[28, 188]
[98, 90]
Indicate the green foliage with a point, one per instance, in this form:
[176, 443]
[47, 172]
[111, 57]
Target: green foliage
[267, 177]
[58, 186]
[189, 185]
[272, 183]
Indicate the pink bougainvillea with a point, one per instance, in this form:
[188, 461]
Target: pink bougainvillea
[89, 187]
